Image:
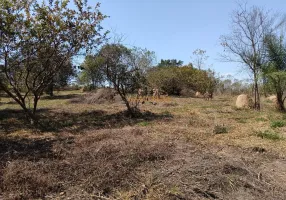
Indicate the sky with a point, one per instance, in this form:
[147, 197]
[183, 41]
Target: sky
[173, 29]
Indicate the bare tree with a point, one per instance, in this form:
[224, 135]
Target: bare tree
[200, 58]
[245, 45]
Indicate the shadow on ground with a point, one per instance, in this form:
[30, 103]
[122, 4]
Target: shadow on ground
[27, 149]
[15, 120]
[61, 97]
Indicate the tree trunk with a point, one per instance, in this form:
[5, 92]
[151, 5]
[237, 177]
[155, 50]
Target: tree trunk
[256, 93]
[130, 110]
[50, 89]
[279, 102]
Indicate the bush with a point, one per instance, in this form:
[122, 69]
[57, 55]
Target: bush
[218, 129]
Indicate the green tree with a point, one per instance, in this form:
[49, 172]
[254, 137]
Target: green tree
[170, 63]
[120, 71]
[174, 79]
[62, 78]
[38, 39]
[275, 70]
[91, 71]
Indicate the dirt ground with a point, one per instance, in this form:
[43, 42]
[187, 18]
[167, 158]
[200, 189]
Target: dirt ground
[178, 149]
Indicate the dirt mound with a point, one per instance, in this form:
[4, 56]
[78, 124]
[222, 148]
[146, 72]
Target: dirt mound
[243, 101]
[102, 95]
[198, 95]
[272, 98]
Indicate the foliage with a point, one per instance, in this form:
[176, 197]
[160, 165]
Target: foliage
[119, 70]
[170, 63]
[62, 78]
[38, 40]
[174, 79]
[91, 73]
[274, 71]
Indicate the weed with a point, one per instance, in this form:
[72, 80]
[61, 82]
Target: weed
[268, 134]
[220, 129]
[167, 114]
[260, 119]
[241, 120]
[144, 123]
[276, 124]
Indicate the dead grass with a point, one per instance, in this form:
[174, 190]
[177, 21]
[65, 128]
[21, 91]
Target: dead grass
[95, 151]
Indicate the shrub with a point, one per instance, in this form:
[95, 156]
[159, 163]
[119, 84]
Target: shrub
[220, 129]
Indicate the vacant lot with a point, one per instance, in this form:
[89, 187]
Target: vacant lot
[183, 148]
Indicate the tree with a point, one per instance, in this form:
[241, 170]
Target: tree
[62, 78]
[200, 58]
[245, 43]
[275, 70]
[120, 70]
[175, 79]
[143, 60]
[170, 63]
[91, 71]
[38, 40]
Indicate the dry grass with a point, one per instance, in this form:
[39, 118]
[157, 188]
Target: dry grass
[95, 151]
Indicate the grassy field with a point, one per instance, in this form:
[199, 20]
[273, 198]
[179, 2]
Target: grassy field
[184, 148]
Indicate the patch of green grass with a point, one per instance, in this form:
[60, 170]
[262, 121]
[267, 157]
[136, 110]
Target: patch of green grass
[220, 129]
[260, 119]
[144, 123]
[268, 134]
[241, 120]
[167, 114]
[276, 124]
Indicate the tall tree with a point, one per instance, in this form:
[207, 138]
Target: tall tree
[38, 39]
[119, 70]
[245, 43]
[275, 70]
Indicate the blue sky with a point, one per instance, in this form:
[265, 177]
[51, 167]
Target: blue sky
[175, 28]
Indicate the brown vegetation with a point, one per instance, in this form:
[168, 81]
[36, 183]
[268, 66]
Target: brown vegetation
[95, 151]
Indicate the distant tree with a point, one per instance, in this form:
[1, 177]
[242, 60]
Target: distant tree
[166, 79]
[36, 42]
[170, 63]
[143, 60]
[62, 78]
[245, 43]
[275, 70]
[175, 79]
[91, 73]
[200, 58]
